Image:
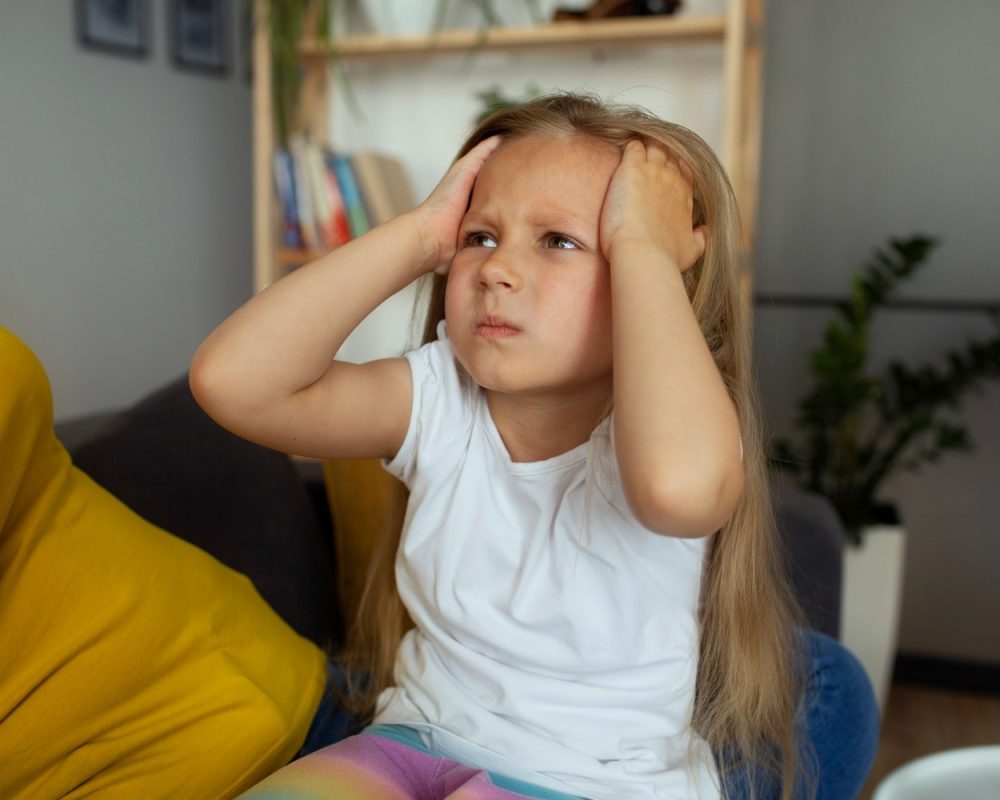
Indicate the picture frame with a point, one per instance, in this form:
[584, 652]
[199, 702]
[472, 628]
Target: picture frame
[120, 27]
[246, 38]
[199, 35]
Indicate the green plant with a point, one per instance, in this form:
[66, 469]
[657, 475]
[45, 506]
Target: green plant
[493, 100]
[859, 429]
[289, 22]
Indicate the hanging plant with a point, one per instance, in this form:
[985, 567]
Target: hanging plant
[289, 23]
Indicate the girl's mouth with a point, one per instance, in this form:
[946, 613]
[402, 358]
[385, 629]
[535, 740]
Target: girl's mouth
[493, 326]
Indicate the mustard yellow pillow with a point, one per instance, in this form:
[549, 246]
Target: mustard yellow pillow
[361, 496]
[132, 664]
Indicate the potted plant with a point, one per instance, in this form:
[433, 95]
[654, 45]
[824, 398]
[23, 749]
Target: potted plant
[857, 429]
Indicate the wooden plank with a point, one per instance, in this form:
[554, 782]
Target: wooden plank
[264, 224]
[614, 32]
[750, 147]
[290, 257]
[921, 720]
[732, 91]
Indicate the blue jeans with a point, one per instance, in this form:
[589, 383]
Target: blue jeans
[840, 720]
[839, 728]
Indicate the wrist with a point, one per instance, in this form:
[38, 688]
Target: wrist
[428, 251]
[625, 253]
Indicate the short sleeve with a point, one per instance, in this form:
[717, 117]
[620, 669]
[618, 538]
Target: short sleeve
[441, 412]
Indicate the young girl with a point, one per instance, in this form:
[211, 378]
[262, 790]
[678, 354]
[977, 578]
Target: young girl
[588, 555]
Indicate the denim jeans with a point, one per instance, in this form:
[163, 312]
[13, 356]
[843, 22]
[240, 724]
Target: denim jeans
[839, 727]
[840, 720]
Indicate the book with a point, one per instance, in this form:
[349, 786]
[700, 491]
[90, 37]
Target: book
[328, 207]
[338, 228]
[357, 215]
[304, 193]
[385, 187]
[284, 181]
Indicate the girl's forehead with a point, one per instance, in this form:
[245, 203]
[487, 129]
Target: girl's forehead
[574, 163]
[569, 147]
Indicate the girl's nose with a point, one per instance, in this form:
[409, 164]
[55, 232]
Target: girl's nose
[499, 271]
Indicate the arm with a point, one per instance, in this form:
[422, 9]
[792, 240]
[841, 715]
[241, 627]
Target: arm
[267, 372]
[676, 429]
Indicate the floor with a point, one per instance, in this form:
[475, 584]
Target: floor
[920, 720]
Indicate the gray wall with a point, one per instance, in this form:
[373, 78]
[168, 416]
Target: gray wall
[125, 205]
[883, 118]
[125, 230]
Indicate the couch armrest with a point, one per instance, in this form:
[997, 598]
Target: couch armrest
[246, 505]
[813, 540]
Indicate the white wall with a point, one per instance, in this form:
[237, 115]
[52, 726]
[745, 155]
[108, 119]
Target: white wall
[125, 206]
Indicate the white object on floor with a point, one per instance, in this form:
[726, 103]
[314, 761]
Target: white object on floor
[969, 773]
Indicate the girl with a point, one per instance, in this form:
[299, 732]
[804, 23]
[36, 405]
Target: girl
[588, 555]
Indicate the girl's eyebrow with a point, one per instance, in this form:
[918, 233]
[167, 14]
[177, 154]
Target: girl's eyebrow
[550, 219]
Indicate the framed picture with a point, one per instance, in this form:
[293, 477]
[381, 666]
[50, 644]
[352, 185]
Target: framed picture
[115, 26]
[246, 40]
[198, 30]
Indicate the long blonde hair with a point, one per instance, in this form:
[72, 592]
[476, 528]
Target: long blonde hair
[751, 671]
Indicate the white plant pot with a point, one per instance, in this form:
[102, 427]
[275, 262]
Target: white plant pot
[399, 17]
[870, 602]
[417, 17]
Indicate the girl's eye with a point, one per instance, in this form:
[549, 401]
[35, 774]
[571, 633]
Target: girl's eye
[479, 239]
[559, 242]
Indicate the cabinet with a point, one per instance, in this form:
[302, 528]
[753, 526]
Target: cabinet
[738, 32]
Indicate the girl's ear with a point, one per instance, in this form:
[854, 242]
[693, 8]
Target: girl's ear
[700, 236]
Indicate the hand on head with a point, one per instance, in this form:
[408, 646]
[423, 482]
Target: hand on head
[649, 202]
[440, 215]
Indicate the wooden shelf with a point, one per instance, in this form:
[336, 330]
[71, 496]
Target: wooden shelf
[289, 257]
[739, 33]
[624, 31]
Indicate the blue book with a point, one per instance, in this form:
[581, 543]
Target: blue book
[284, 180]
[357, 215]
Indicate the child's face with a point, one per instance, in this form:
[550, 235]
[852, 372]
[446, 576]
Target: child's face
[529, 255]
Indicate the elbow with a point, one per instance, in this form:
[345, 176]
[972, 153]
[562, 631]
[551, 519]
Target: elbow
[200, 379]
[687, 510]
[207, 386]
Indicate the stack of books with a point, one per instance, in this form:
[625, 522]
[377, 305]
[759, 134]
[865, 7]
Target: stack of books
[328, 198]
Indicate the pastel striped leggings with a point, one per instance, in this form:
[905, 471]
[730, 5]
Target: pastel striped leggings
[840, 723]
[389, 762]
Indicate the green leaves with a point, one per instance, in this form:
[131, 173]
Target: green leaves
[858, 429]
[493, 100]
[289, 22]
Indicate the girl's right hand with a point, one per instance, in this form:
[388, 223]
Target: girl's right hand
[440, 215]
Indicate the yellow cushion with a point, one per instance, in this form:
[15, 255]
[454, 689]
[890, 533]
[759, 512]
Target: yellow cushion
[132, 664]
[360, 494]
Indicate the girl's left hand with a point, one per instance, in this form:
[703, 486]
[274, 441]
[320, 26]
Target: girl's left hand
[649, 203]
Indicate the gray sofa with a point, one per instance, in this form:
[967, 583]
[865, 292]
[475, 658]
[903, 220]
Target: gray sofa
[265, 516]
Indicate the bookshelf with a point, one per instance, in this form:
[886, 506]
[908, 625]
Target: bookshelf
[738, 32]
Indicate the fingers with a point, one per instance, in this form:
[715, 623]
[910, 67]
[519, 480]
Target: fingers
[477, 156]
[656, 176]
[653, 151]
[488, 145]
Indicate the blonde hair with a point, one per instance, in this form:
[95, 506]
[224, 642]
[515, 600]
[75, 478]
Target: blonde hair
[751, 676]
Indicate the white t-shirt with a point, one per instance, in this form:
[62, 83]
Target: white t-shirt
[551, 651]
